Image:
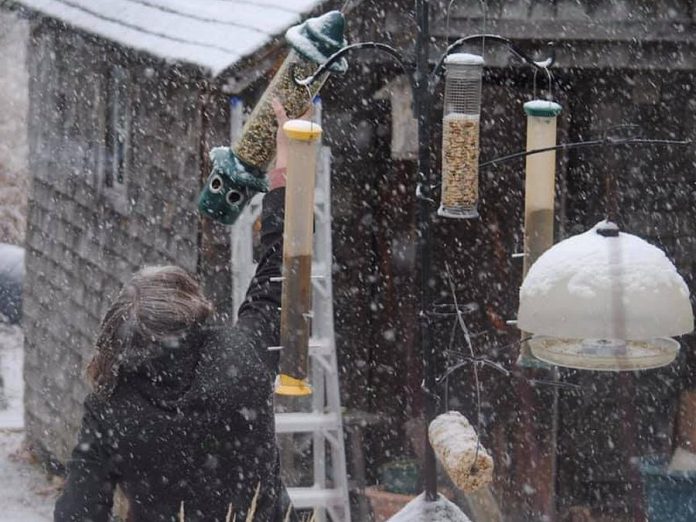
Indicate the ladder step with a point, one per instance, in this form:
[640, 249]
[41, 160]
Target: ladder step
[316, 347]
[300, 422]
[319, 269]
[304, 498]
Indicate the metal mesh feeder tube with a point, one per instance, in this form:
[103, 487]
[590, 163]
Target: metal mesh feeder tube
[238, 172]
[256, 146]
[460, 136]
[296, 301]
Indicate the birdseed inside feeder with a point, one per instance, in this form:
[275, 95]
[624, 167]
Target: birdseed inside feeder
[540, 179]
[539, 192]
[238, 174]
[303, 141]
[460, 136]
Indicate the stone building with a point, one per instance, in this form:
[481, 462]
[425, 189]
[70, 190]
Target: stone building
[124, 107]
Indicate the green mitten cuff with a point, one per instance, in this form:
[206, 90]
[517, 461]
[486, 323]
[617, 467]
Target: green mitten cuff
[229, 187]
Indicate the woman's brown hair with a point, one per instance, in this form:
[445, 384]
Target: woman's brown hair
[158, 304]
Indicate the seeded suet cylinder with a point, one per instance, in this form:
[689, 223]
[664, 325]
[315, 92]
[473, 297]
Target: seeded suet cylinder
[238, 171]
[458, 449]
[296, 304]
[539, 192]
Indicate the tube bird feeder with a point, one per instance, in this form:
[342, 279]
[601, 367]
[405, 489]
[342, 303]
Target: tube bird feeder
[460, 136]
[238, 173]
[540, 179]
[540, 191]
[295, 324]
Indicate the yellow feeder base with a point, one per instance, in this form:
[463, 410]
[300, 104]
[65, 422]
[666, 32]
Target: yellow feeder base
[286, 385]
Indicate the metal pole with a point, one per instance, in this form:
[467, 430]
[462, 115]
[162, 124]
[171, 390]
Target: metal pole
[422, 99]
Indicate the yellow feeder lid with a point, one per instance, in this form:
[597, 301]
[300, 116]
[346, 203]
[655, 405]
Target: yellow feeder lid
[302, 130]
[286, 385]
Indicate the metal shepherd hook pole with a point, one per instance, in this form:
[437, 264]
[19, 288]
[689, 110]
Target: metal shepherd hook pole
[424, 83]
[423, 102]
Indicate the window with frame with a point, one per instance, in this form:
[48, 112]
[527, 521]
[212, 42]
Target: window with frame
[116, 148]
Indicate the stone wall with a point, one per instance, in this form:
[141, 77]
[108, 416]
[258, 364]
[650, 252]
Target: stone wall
[84, 240]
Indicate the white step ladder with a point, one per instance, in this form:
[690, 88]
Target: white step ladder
[329, 493]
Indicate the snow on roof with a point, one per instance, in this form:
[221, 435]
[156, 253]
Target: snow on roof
[213, 35]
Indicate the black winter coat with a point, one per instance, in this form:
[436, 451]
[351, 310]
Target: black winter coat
[194, 425]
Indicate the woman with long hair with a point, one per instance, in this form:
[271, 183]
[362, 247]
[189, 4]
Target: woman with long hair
[181, 416]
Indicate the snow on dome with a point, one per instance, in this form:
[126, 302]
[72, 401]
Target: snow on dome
[420, 510]
[463, 59]
[596, 286]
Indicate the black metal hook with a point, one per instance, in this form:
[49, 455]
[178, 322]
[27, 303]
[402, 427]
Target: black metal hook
[432, 394]
[384, 48]
[605, 141]
[540, 65]
[466, 360]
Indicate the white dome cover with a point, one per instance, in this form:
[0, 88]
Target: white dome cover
[420, 510]
[592, 286]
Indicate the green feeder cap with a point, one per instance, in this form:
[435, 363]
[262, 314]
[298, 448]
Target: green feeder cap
[318, 38]
[229, 187]
[542, 108]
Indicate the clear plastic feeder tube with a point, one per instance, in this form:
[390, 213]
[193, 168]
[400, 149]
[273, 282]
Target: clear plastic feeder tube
[540, 179]
[460, 136]
[296, 303]
[256, 145]
[540, 192]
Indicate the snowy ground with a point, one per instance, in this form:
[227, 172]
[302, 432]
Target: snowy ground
[25, 493]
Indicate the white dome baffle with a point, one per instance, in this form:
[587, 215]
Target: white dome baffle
[420, 510]
[605, 300]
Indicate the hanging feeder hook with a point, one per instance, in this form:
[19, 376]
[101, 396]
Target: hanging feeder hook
[545, 67]
[384, 48]
[549, 75]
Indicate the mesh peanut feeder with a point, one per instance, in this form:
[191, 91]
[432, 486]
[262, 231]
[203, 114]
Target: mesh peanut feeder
[296, 303]
[238, 172]
[460, 136]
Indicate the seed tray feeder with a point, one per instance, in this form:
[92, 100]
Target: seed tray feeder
[238, 172]
[605, 300]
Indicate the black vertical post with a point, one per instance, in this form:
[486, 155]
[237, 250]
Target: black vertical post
[422, 99]
[611, 198]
